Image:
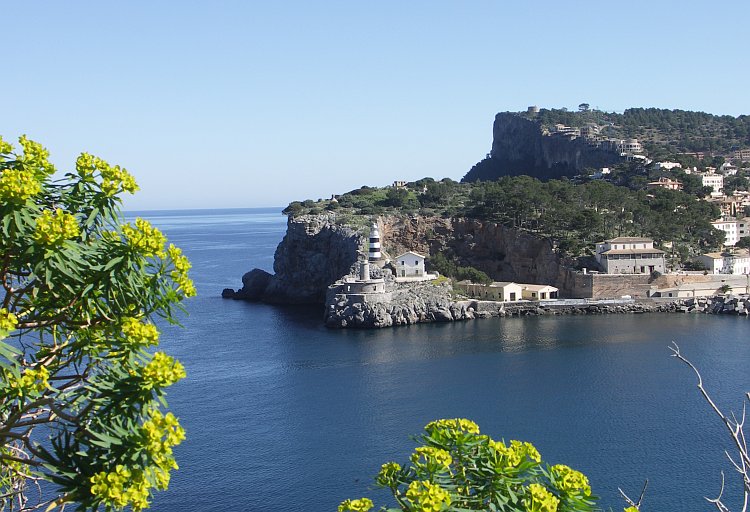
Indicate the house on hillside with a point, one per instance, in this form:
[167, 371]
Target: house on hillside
[713, 180]
[736, 262]
[410, 264]
[667, 183]
[733, 229]
[629, 255]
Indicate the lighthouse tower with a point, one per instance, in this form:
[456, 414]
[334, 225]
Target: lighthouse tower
[374, 243]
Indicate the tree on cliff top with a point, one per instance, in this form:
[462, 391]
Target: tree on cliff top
[82, 393]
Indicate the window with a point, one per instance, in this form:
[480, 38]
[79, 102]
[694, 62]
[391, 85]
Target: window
[416, 262]
[512, 296]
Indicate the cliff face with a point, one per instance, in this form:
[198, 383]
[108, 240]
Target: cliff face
[317, 251]
[504, 254]
[314, 253]
[520, 147]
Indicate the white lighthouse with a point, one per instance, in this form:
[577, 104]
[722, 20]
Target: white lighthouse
[374, 253]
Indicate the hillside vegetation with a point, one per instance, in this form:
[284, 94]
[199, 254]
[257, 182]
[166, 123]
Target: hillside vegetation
[573, 216]
[663, 131]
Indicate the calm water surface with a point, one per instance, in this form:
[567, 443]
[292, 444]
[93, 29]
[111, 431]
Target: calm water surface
[283, 414]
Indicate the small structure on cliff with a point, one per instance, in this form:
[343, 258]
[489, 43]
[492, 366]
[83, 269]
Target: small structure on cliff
[410, 268]
[538, 292]
[374, 249]
[363, 283]
[501, 291]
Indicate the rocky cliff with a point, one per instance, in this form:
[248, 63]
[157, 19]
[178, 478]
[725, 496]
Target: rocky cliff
[519, 146]
[503, 253]
[315, 252]
[318, 250]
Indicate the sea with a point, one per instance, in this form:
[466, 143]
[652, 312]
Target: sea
[283, 414]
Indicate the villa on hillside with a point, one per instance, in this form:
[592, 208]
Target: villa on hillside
[735, 262]
[666, 183]
[733, 229]
[713, 180]
[629, 255]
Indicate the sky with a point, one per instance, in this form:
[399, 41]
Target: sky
[259, 103]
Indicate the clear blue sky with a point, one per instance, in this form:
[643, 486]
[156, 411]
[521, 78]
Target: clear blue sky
[250, 103]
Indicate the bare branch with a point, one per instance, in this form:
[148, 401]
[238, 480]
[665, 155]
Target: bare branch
[636, 504]
[737, 433]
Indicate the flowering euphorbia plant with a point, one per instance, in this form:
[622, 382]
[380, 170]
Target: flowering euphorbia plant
[82, 391]
[457, 468]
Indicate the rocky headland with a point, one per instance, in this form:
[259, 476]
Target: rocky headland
[320, 251]
[315, 252]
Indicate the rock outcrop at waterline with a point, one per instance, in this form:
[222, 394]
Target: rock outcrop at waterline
[315, 252]
[401, 304]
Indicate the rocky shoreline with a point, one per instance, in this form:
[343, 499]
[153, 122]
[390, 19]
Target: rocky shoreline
[411, 307]
[319, 250]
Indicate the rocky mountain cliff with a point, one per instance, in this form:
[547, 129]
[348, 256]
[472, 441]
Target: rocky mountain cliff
[519, 146]
[318, 250]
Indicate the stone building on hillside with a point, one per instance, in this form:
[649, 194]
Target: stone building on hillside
[629, 255]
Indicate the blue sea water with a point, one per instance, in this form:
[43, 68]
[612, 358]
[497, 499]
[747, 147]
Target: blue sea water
[284, 414]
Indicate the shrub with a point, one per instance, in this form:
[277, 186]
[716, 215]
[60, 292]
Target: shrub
[457, 468]
[82, 391]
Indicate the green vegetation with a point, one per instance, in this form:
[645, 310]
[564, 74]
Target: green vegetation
[82, 392]
[448, 267]
[573, 216]
[457, 468]
[661, 130]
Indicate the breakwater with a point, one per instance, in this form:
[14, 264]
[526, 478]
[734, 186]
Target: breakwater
[359, 312]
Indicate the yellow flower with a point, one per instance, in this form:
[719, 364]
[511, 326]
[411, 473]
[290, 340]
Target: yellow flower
[569, 480]
[110, 486]
[427, 497]
[387, 475]
[85, 164]
[162, 371]
[54, 228]
[140, 333]
[144, 238]
[17, 185]
[8, 322]
[179, 275]
[6, 148]
[454, 424]
[116, 179]
[121, 487]
[540, 499]
[36, 155]
[630, 509]
[360, 505]
[516, 453]
[432, 455]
